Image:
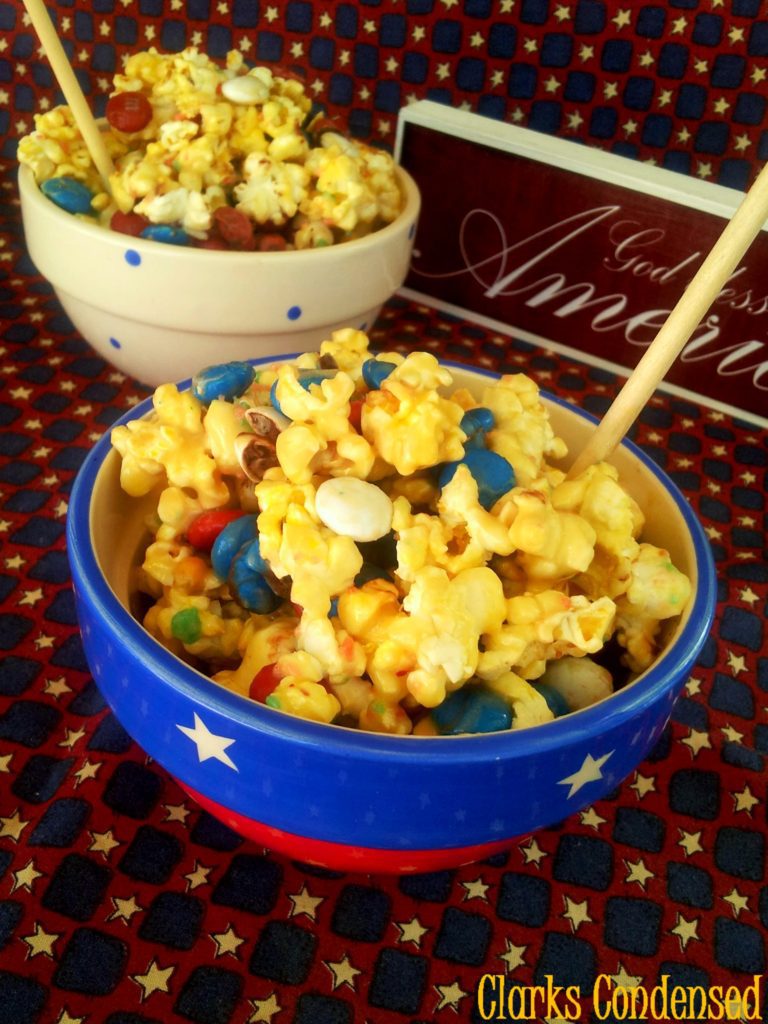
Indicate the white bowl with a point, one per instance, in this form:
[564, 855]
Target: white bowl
[161, 312]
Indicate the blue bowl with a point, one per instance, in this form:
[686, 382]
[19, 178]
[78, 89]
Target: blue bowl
[350, 800]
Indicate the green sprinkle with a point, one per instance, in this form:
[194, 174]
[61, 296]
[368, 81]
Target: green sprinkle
[272, 701]
[378, 707]
[186, 625]
[321, 243]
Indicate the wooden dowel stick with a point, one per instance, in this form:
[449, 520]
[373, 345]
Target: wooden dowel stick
[73, 94]
[740, 231]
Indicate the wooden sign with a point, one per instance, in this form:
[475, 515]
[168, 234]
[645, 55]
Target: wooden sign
[581, 251]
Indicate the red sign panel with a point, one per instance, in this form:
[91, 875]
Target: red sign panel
[582, 261]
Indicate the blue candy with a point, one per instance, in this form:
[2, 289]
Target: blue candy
[555, 701]
[375, 372]
[165, 233]
[229, 542]
[493, 475]
[471, 709]
[306, 378]
[225, 380]
[476, 423]
[253, 591]
[250, 555]
[68, 194]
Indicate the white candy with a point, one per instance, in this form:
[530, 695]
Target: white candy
[354, 508]
[245, 90]
[580, 681]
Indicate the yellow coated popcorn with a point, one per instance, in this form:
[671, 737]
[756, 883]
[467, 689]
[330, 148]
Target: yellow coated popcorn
[354, 540]
[231, 155]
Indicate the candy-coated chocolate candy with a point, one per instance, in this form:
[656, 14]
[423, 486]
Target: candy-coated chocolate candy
[471, 709]
[556, 702]
[69, 194]
[253, 591]
[205, 528]
[376, 371]
[245, 90]
[334, 609]
[234, 227]
[354, 508]
[128, 223]
[186, 625]
[306, 379]
[492, 473]
[165, 233]
[234, 535]
[263, 683]
[476, 423]
[251, 557]
[272, 243]
[128, 111]
[225, 381]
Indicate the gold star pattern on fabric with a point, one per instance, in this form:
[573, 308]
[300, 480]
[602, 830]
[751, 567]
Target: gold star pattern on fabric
[591, 818]
[736, 663]
[621, 19]
[264, 1010]
[533, 853]
[731, 734]
[693, 686]
[88, 770]
[197, 876]
[176, 812]
[72, 737]
[12, 827]
[411, 931]
[56, 687]
[737, 901]
[124, 909]
[745, 800]
[40, 942]
[686, 930]
[103, 842]
[227, 942]
[5, 763]
[690, 842]
[513, 956]
[697, 741]
[66, 1018]
[450, 995]
[155, 979]
[26, 877]
[637, 872]
[343, 972]
[475, 890]
[304, 903]
[623, 979]
[576, 913]
[643, 785]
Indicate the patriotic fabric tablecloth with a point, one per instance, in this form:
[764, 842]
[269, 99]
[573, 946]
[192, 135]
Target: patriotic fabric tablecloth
[121, 902]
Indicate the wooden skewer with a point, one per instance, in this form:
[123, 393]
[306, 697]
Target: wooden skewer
[73, 94]
[740, 231]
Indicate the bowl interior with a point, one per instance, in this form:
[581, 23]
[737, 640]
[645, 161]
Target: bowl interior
[114, 514]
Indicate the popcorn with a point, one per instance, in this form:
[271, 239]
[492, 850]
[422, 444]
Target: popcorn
[221, 136]
[510, 602]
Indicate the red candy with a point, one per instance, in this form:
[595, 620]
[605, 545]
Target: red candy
[129, 111]
[264, 682]
[128, 223]
[355, 414]
[203, 530]
[234, 227]
[272, 243]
